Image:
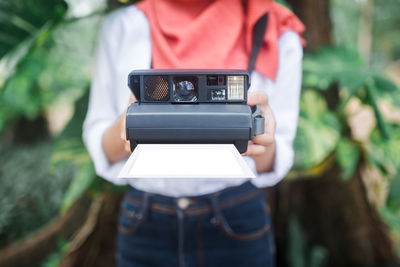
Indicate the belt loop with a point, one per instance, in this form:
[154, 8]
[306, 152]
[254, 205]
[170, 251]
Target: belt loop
[146, 204]
[218, 218]
[216, 210]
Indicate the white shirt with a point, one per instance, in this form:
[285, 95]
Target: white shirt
[125, 45]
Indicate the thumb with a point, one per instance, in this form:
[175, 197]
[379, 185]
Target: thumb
[132, 99]
[257, 98]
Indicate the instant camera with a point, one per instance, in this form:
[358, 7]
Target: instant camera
[191, 107]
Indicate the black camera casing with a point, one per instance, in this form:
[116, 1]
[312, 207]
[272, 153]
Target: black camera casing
[158, 118]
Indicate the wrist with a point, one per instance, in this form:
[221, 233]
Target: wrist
[114, 142]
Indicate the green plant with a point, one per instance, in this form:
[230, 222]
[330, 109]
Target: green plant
[30, 193]
[21, 33]
[324, 127]
[45, 59]
[42, 65]
[332, 78]
[300, 254]
[55, 258]
[70, 151]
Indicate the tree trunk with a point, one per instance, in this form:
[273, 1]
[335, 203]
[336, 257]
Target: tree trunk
[315, 15]
[95, 243]
[332, 213]
[35, 248]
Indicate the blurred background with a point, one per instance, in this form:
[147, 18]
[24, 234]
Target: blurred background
[339, 205]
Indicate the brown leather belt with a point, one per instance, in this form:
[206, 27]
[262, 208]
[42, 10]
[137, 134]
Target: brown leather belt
[195, 211]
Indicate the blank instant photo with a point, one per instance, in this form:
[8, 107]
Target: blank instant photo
[185, 161]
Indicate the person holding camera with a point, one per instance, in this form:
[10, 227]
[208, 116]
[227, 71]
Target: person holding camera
[197, 222]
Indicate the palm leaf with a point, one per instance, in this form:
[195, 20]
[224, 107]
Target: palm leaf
[18, 25]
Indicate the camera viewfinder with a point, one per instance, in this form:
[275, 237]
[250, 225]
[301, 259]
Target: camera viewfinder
[212, 80]
[215, 80]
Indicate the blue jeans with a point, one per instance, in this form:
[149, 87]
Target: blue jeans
[231, 227]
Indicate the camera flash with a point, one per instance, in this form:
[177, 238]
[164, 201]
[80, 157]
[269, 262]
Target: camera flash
[235, 85]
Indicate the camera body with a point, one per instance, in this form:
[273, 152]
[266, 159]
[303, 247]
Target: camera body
[191, 107]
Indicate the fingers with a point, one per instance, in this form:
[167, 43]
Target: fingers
[268, 137]
[264, 139]
[257, 98]
[126, 143]
[132, 99]
[127, 146]
[260, 144]
[122, 125]
[255, 150]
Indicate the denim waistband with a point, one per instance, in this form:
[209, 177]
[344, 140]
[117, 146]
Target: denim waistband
[197, 205]
[182, 207]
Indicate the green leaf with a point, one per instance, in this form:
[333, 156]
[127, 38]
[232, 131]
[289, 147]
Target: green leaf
[55, 71]
[384, 84]
[296, 255]
[343, 65]
[380, 160]
[348, 156]
[394, 192]
[385, 154]
[24, 26]
[81, 182]
[392, 217]
[387, 89]
[55, 258]
[318, 131]
[21, 93]
[70, 151]
[284, 3]
[372, 100]
[19, 20]
[319, 256]
[30, 193]
[329, 65]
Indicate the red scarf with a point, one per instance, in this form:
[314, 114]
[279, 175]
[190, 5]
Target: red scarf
[215, 34]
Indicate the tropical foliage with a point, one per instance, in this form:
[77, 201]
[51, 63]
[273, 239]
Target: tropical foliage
[46, 64]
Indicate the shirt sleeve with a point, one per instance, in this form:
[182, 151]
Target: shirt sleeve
[284, 97]
[109, 94]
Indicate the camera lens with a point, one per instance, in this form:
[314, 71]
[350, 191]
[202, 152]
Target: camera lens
[185, 88]
[185, 91]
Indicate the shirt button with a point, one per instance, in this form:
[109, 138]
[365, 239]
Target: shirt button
[183, 202]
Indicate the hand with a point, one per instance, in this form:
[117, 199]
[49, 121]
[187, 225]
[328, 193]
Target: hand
[121, 121]
[115, 145]
[262, 147]
[125, 144]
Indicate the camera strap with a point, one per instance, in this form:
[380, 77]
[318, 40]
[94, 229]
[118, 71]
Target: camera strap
[258, 39]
